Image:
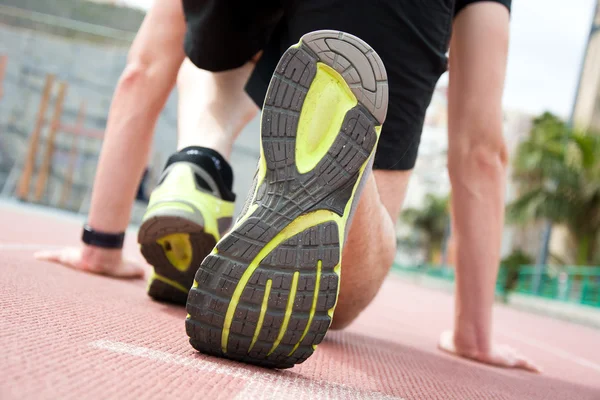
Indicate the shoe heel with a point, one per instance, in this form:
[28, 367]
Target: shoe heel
[160, 290]
[175, 247]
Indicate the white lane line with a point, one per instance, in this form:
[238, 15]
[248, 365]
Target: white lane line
[271, 385]
[554, 350]
[26, 246]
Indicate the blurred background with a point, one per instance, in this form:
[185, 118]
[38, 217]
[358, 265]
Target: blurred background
[60, 61]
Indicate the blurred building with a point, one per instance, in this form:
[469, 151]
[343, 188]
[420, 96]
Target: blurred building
[585, 115]
[586, 110]
[430, 173]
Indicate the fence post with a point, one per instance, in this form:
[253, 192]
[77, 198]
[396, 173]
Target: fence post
[3, 62]
[68, 184]
[28, 168]
[47, 161]
[584, 290]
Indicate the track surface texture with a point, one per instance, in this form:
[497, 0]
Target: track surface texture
[66, 334]
[264, 300]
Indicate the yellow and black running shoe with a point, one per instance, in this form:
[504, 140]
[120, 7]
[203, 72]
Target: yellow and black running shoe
[187, 214]
[267, 292]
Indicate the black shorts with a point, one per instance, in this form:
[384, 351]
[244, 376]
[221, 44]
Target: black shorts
[410, 36]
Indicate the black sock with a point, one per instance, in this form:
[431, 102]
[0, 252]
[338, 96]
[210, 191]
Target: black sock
[213, 163]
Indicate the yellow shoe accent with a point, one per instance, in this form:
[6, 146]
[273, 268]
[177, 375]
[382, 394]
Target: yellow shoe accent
[261, 317]
[288, 312]
[170, 282]
[178, 249]
[326, 104]
[313, 307]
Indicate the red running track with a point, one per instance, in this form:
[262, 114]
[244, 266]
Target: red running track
[71, 335]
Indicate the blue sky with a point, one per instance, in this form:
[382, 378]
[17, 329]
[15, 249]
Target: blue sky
[548, 39]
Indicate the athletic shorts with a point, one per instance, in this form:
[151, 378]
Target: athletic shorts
[410, 36]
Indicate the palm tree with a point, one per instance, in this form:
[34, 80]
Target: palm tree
[431, 223]
[558, 170]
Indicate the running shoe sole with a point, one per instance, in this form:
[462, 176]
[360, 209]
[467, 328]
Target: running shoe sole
[267, 292]
[173, 244]
[181, 226]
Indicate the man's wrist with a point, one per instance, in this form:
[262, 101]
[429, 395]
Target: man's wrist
[106, 240]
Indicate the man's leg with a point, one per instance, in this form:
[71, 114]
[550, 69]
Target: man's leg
[213, 107]
[371, 246]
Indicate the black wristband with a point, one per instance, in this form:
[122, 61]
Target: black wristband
[101, 239]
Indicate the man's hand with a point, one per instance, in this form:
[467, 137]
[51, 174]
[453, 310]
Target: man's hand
[94, 260]
[498, 355]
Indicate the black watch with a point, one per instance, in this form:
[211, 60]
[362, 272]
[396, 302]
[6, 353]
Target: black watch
[102, 239]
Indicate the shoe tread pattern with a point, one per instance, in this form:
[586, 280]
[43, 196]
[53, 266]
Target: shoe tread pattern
[284, 195]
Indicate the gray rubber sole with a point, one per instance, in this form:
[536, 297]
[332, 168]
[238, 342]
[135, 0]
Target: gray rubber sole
[157, 227]
[282, 327]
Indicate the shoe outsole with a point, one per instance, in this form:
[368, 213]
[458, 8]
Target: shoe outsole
[167, 283]
[266, 294]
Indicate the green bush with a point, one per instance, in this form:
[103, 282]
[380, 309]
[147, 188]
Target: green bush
[509, 270]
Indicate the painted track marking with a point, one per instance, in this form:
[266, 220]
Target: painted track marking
[278, 385]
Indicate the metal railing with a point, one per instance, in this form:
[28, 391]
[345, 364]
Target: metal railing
[572, 284]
